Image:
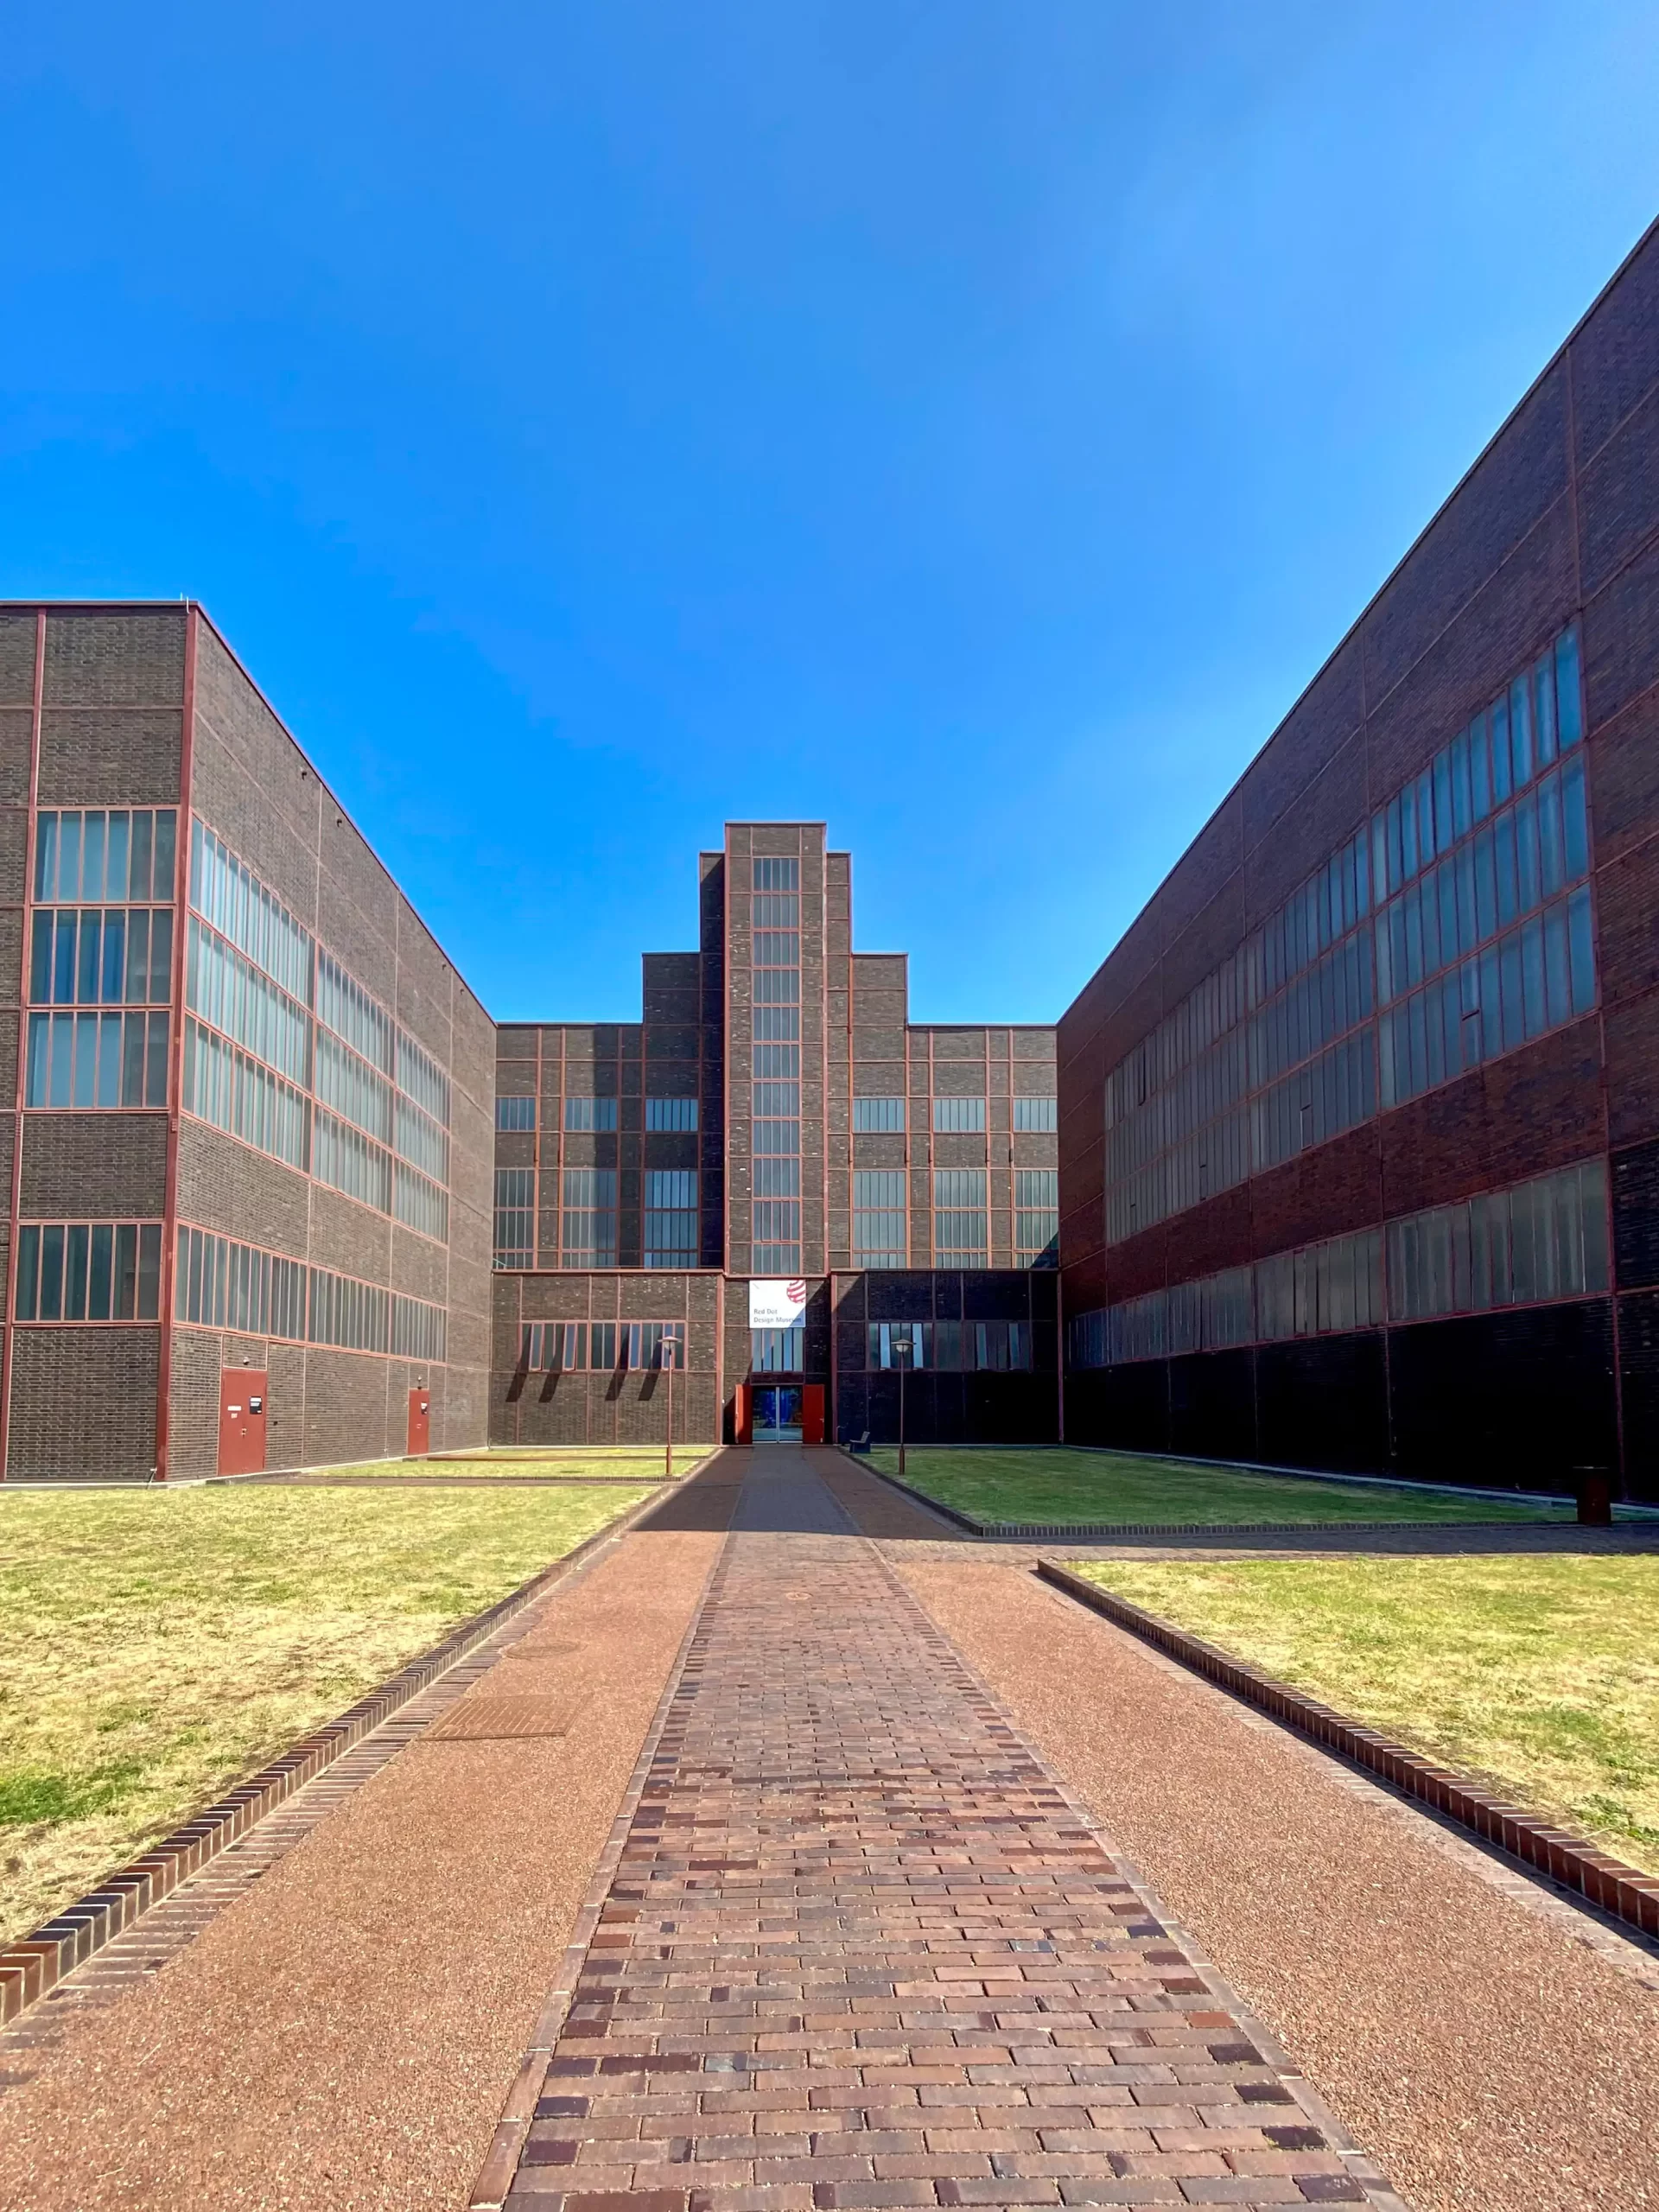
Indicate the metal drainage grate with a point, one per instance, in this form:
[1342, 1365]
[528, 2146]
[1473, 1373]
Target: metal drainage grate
[487, 1720]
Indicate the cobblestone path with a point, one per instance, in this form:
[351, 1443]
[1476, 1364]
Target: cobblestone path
[858, 1948]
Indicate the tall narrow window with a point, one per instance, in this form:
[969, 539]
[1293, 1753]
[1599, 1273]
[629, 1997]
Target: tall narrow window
[879, 1238]
[1036, 1216]
[587, 1232]
[959, 1218]
[515, 1216]
[775, 1098]
[670, 1218]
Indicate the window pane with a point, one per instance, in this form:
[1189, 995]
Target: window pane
[126, 1272]
[108, 1060]
[28, 1272]
[76, 1240]
[91, 856]
[155, 1084]
[878, 1112]
[138, 871]
[51, 1273]
[163, 883]
[150, 1271]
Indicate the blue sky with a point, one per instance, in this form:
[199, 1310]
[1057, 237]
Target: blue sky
[970, 424]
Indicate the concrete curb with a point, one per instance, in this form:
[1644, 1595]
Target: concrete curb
[37, 1962]
[1623, 1892]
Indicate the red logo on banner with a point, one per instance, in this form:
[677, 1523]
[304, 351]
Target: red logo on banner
[797, 1293]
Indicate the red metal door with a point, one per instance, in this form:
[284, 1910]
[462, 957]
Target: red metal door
[812, 1414]
[420, 1423]
[743, 1415]
[241, 1421]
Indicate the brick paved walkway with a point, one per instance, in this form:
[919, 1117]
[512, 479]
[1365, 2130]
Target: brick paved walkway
[859, 1950]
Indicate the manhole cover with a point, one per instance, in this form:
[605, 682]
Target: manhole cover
[482, 1720]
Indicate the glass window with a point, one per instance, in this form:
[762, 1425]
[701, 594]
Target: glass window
[878, 1112]
[590, 1114]
[777, 1022]
[1035, 1113]
[670, 1225]
[587, 1227]
[515, 1113]
[958, 1114]
[88, 1271]
[654, 1344]
[777, 1136]
[94, 855]
[96, 1060]
[515, 1216]
[671, 1113]
[227, 894]
[777, 1351]
[1175, 1104]
[959, 1218]
[878, 1217]
[771, 874]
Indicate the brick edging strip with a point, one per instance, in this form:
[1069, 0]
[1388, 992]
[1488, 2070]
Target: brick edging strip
[1622, 1891]
[38, 1961]
[501, 2161]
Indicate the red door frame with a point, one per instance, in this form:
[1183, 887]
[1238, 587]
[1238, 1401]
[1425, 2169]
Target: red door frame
[242, 1420]
[419, 1422]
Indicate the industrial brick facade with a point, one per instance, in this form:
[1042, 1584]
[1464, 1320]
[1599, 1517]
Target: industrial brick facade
[776, 1115]
[1313, 1213]
[1347, 1156]
[255, 1099]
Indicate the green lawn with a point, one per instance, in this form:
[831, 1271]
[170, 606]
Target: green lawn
[1540, 1676]
[568, 1461]
[1053, 1483]
[155, 1645]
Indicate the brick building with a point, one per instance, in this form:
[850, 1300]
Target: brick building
[1359, 1122]
[248, 1100]
[775, 1118]
[1358, 1151]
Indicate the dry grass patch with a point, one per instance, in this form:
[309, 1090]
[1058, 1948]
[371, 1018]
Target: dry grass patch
[1538, 1676]
[570, 1463]
[155, 1645]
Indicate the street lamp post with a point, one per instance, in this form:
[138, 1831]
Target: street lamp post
[901, 1350]
[668, 1351]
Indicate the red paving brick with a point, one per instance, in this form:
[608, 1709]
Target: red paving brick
[861, 1949]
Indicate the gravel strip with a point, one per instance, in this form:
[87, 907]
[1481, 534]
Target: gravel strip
[345, 2032]
[1489, 2054]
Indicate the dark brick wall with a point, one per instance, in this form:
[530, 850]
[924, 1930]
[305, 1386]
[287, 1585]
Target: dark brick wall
[255, 787]
[93, 1167]
[83, 1403]
[1558, 521]
[942, 1408]
[623, 1408]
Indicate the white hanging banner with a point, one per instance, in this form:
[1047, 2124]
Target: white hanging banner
[777, 1305]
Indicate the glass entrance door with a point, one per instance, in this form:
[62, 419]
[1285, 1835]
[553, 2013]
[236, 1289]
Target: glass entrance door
[777, 1417]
